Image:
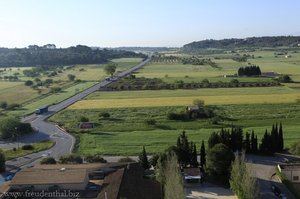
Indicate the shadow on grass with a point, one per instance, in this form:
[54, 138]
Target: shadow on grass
[164, 127]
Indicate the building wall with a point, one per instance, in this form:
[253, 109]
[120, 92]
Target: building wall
[292, 175]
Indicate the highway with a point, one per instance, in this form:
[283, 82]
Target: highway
[64, 142]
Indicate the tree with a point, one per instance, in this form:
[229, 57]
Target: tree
[48, 160]
[280, 135]
[3, 105]
[219, 159]
[247, 144]
[143, 159]
[71, 77]
[2, 162]
[202, 155]
[254, 148]
[240, 172]
[193, 160]
[110, 69]
[173, 188]
[199, 102]
[83, 119]
[285, 79]
[213, 139]
[28, 83]
[8, 127]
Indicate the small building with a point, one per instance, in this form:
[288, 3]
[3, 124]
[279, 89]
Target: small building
[86, 125]
[291, 171]
[288, 56]
[192, 109]
[228, 76]
[269, 74]
[47, 179]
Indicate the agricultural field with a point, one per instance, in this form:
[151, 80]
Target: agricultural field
[127, 131]
[252, 108]
[266, 60]
[180, 97]
[17, 92]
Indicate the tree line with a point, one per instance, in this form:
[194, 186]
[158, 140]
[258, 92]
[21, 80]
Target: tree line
[249, 71]
[272, 41]
[50, 56]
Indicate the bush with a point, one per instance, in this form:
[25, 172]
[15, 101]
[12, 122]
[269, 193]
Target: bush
[48, 160]
[126, 159]
[83, 119]
[28, 83]
[105, 115]
[27, 147]
[295, 148]
[150, 122]
[70, 159]
[285, 79]
[3, 105]
[95, 158]
[13, 106]
[177, 116]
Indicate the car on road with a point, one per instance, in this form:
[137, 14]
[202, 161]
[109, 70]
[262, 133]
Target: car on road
[276, 190]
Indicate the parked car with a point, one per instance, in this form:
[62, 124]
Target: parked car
[276, 190]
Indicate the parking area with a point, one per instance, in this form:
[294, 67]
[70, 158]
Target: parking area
[208, 191]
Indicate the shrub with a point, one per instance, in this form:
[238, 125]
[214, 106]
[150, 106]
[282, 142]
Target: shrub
[83, 119]
[105, 115]
[177, 116]
[150, 121]
[48, 160]
[71, 159]
[13, 106]
[95, 158]
[28, 83]
[27, 147]
[3, 105]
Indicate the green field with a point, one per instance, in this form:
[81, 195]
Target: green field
[180, 97]
[40, 146]
[17, 92]
[190, 73]
[126, 131]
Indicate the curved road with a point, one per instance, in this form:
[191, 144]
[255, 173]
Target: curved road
[64, 142]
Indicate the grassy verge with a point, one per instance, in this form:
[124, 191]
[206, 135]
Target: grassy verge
[40, 146]
[288, 183]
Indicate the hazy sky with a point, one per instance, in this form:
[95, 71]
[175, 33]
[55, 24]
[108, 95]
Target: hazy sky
[112, 23]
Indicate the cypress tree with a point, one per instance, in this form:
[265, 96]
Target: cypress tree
[202, 155]
[193, 160]
[280, 135]
[143, 159]
[247, 144]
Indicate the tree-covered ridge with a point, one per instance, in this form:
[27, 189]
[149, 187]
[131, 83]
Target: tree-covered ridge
[49, 55]
[277, 41]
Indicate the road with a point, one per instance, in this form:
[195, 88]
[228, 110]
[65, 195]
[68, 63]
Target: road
[263, 168]
[64, 142]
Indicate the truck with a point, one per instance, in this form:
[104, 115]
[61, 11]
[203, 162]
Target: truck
[41, 110]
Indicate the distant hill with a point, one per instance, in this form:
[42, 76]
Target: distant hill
[49, 55]
[276, 41]
[145, 49]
